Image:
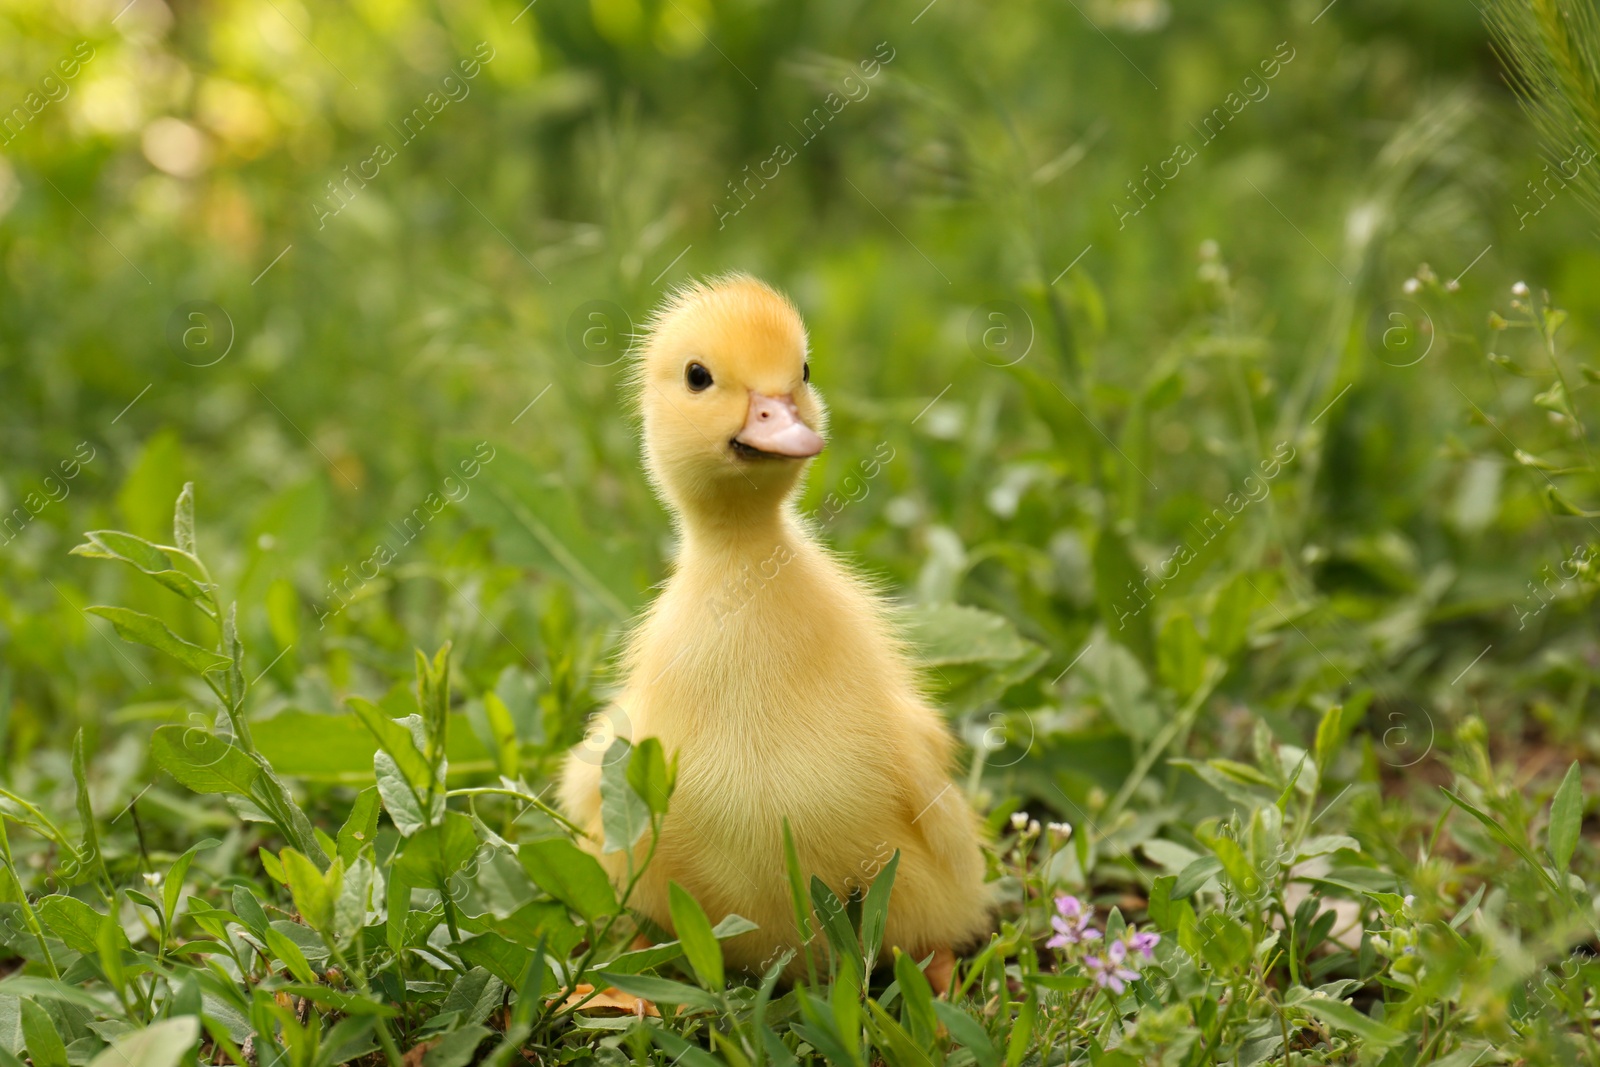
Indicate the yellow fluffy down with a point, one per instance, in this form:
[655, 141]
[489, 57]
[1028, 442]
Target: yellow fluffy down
[773, 673]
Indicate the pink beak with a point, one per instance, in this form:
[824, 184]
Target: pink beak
[774, 426]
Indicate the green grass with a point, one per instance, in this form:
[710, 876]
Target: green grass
[1251, 535]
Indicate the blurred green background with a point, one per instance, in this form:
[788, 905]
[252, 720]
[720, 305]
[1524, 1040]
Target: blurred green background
[227, 259]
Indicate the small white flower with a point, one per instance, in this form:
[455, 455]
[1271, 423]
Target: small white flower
[1411, 286]
[1033, 827]
[1452, 285]
[1062, 830]
[1019, 821]
[1409, 900]
[152, 879]
[1520, 289]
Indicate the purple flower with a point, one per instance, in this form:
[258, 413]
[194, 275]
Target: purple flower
[1071, 923]
[1110, 970]
[1144, 943]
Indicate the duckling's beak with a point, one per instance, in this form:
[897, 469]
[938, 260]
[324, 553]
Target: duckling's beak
[773, 427]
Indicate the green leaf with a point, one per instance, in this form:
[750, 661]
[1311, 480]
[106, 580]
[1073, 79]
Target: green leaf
[570, 875]
[183, 520]
[640, 960]
[1236, 866]
[650, 775]
[157, 561]
[1500, 833]
[1021, 1038]
[1124, 690]
[233, 648]
[156, 478]
[501, 958]
[903, 1050]
[203, 762]
[314, 893]
[350, 1038]
[1342, 1016]
[93, 863]
[507, 750]
[456, 1048]
[289, 954]
[345, 748]
[172, 884]
[681, 1050]
[624, 815]
[251, 915]
[404, 803]
[30, 987]
[1181, 658]
[1558, 501]
[1246, 797]
[1061, 983]
[347, 1003]
[272, 865]
[662, 990]
[39, 1033]
[968, 1032]
[359, 827]
[875, 909]
[74, 922]
[161, 1044]
[148, 630]
[110, 943]
[1224, 942]
[777, 1053]
[397, 902]
[917, 997]
[1566, 818]
[538, 523]
[835, 923]
[960, 633]
[1123, 600]
[395, 740]
[1162, 899]
[694, 932]
[1242, 773]
[1229, 621]
[1330, 735]
[821, 1033]
[973, 655]
[797, 898]
[435, 853]
[844, 1001]
[646, 959]
[433, 702]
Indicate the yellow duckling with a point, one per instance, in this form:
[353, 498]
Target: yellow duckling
[770, 668]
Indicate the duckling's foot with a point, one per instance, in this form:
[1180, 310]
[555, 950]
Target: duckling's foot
[940, 970]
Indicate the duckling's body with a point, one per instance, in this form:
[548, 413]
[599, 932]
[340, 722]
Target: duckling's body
[771, 670]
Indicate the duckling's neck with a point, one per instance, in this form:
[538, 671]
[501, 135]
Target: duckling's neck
[738, 534]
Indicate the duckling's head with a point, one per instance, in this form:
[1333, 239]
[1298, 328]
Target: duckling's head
[730, 415]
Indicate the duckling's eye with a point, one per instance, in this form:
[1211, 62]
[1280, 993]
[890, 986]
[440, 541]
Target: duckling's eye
[698, 377]
[805, 372]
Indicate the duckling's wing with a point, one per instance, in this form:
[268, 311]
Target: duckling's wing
[939, 898]
[937, 813]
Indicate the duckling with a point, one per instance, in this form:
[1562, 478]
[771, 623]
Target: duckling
[770, 667]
